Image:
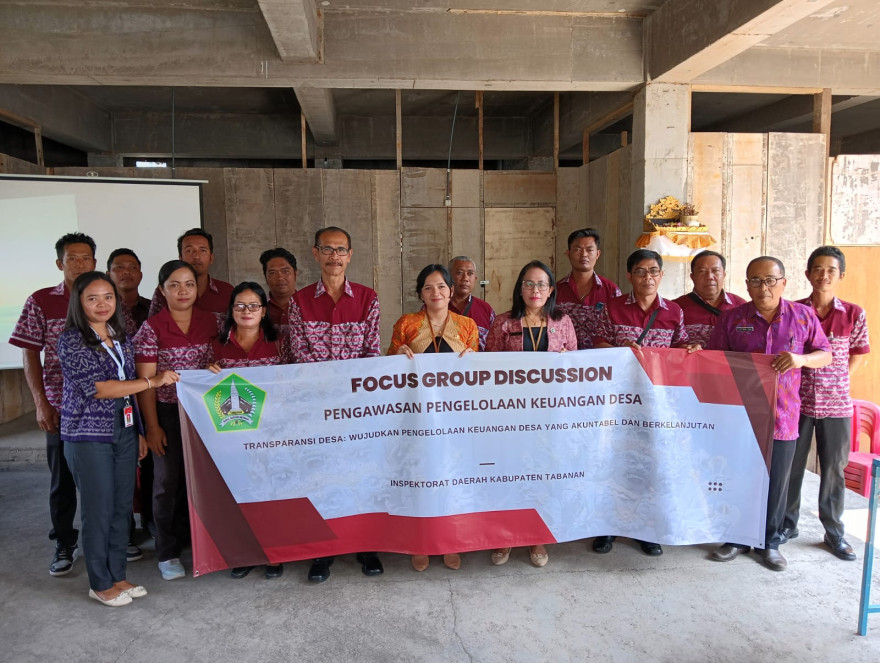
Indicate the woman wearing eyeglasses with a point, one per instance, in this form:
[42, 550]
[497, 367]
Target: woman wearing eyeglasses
[177, 338]
[248, 338]
[533, 324]
[434, 329]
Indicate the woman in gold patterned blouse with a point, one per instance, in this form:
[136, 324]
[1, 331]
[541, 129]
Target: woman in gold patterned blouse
[434, 329]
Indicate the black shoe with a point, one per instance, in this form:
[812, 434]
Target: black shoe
[653, 549]
[320, 569]
[728, 552]
[789, 533]
[274, 570]
[133, 553]
[62, 563]
[603, 544]
[840, 548]
[371, 565]
[240, 571]
[772, 559]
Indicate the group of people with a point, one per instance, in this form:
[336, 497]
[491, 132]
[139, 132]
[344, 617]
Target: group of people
[105, 394]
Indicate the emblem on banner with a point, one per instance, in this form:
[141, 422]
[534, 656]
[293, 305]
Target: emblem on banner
[235, 404]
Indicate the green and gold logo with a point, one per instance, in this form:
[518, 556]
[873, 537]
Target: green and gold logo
[235, 404]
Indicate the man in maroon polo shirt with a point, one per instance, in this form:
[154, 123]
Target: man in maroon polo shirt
[707, 300]
[37, 330]
[330, 320]
[791, 333]
[583, 293]
[279, 270]
[464, 277]
[641, 318]
[826, 406]
[196, 247]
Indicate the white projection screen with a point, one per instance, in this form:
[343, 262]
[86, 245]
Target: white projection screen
[146, 216]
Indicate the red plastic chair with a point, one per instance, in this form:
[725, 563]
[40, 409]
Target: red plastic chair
[866, 419]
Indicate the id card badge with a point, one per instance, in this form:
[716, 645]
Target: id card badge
[128, 415]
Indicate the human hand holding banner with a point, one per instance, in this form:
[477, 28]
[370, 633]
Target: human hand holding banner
[443, 454]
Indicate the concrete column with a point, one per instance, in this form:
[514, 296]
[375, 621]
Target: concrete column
[661, 125]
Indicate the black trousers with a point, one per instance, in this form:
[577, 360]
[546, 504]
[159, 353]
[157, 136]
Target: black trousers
[170, 508]
[62, 493]
[832, 447]
[777, 495]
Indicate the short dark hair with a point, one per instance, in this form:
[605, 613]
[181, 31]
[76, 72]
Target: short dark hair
[73, 238]
[827, 252]
[777, 261]
[427, 271]
[76, 316]
[277, 252]
[166, 270]
[584, 232]
[642, 254]
[518, 308]
[270, 333]
[332, 229]
[195, 232]
[708, 254]
[121, 252]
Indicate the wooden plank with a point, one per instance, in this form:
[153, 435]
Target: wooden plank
[424, 242]
[822, 113]
[348, 203]
[387, 268]
[613, 204]
[706, 185]
[422, 187]
[514, 236]
[302, 122]
[465, 188]
[466, 235]
[859, 286]
[585, 148]
[38, 143]
[12, 166]
[555, 131]
[398, 115]
[299, 212]
[519, 188]
[613, 269]
[571, 211]
[480, 128]
[250, 220]
[855, 199]
[795, 198]
[744, 205]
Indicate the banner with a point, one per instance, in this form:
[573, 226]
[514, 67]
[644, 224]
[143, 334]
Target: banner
[443, 454]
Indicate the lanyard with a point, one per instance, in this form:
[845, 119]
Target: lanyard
[116, 356]
[535, 344]
[442, 331]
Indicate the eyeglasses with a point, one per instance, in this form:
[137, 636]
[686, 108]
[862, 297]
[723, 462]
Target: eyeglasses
[770, 281]
[330, 250]
[641, 272]
[540, 286]
[253, 307]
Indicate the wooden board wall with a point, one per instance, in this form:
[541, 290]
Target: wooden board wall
[859, 286]
[855, 199]
[608, 211]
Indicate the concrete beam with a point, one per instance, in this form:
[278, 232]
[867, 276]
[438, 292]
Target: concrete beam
[294, 28]
[364, 48]
[244, 136]
[317, 105]
[686, 38]
[63, 115]
[794, 112]
[845, 72]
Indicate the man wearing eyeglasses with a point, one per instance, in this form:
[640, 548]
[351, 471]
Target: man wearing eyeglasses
[826, 406]
[791, 333]
[330, 320]
[708, 299]
[196, 247]
[583, 293]
[641, 319]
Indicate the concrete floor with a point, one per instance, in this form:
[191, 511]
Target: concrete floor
[623, 606]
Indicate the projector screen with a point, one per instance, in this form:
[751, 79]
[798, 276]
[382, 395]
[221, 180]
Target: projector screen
[146, 216]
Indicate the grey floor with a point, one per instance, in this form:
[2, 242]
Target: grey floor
[623, 606]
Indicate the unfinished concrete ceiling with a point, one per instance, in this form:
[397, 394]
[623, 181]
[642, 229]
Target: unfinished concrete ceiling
[98, 75]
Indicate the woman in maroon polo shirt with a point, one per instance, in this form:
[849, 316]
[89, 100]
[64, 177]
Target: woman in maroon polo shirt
[248, 338]
[175, 339]
[533, 324]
